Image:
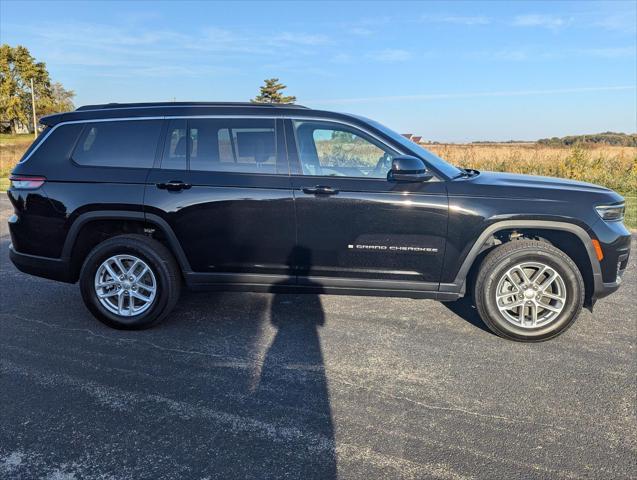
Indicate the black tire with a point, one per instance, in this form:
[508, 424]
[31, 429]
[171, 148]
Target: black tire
[164, 268]
[506, 256]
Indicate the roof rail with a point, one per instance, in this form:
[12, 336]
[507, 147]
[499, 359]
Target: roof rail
[114, 106]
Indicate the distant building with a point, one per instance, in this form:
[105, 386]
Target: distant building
[417, 139]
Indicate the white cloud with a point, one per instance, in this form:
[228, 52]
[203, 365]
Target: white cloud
[444, 96]
[552, 22]
[341, 58]
[301, 39]
[391, 55]
[457, 19]
[620, 23]
[361, 31]
[617, 52]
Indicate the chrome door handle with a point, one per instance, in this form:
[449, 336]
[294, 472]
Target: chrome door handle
[174, 185]
[320, 190]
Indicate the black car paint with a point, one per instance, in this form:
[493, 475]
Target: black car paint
[239, 230]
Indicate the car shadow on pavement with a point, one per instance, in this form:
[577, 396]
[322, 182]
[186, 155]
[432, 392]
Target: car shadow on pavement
[466, 309]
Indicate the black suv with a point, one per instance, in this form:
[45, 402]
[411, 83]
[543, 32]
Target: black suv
[133, 200]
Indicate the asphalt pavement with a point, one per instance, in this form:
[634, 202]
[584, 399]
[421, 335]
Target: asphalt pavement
[260, 386]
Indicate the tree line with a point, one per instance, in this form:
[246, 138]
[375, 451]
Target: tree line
[606, 138]
[17, 69]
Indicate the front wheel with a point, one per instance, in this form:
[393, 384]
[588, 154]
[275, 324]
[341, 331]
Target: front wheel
[130, 282]
[528, 290]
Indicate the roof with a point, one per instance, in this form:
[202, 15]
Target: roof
[109, 106]
[178, 109]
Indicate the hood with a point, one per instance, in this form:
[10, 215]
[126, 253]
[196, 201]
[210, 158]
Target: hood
[511, 185]
[520, 181]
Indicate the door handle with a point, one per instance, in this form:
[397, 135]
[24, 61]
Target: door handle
[320, 190]
[174, 185]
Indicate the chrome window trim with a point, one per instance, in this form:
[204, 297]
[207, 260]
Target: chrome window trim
[172, 117]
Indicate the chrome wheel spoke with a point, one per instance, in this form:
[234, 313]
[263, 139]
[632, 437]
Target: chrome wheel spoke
[120, 303]
[533, 309]
[120, 266]
[110, 270]
[539, 273]
[108, 293]
[522, 274]
[503, 295]
[552, 296]
[549, 307]
[143, 272]
[547, 283]
[131, 270]
[140, 296]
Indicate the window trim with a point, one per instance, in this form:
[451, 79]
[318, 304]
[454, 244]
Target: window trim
[284, 117]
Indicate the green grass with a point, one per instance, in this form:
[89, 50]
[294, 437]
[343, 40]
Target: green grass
[4, 184]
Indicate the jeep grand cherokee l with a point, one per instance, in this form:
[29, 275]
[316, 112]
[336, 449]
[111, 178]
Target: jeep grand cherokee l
[133, 200]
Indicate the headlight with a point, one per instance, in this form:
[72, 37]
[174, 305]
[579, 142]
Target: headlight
[611, 213]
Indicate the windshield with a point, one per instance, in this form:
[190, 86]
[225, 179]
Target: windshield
[433, 160]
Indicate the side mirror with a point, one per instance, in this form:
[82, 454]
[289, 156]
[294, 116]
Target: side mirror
[405, 168]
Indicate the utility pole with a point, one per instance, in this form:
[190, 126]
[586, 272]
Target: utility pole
[35, 124]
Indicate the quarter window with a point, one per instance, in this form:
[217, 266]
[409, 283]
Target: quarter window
[118, 144]
[328, 149]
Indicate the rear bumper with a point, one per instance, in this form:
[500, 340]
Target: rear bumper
[46, 267]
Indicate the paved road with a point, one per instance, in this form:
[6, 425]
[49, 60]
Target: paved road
[284, 386]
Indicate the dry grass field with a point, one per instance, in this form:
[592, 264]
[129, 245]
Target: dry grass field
[612, 166]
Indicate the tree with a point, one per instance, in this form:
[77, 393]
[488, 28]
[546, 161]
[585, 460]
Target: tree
[271, 93]
[17, 69]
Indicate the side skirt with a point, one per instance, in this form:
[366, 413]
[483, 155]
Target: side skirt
[315, 285]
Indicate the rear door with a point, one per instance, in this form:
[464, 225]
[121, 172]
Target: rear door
[223, 186]
[357, 228]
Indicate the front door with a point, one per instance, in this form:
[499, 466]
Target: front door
[223, 186]
[357, 228]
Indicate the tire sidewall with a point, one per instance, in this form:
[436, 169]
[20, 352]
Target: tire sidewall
[87, 284]
[574, 296]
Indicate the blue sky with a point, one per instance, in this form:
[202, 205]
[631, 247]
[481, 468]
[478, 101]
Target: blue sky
[450, 71]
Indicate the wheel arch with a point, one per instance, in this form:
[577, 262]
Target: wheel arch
[82, 235]
[560, 234]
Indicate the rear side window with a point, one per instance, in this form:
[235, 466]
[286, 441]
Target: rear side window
[232, 145]
[118, 144]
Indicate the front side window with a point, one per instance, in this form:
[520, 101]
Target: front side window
[233, 145]
[330, 149]
[130, 143]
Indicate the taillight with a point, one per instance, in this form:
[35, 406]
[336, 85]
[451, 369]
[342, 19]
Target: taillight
[24, 182]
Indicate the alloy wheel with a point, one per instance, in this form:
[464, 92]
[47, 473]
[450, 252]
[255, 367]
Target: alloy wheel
[531, 295]
[125, 285]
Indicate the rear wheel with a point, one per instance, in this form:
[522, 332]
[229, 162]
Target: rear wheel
[528, 290]
[130, 282]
